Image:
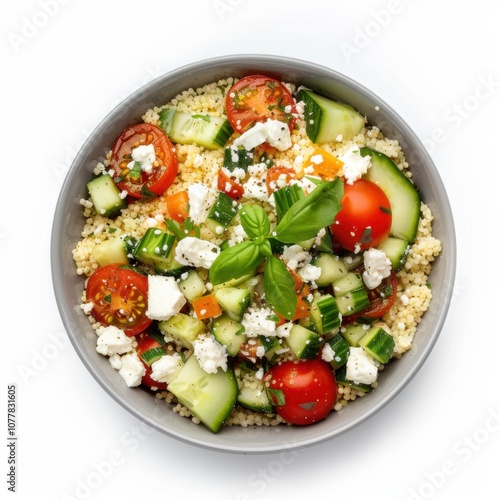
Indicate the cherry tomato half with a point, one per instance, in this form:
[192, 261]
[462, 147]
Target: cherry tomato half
[256, 98]
[303, 392]
[278, 177]
[365, 217]
[229, 186]
[119, 297]
[145, 344]
[139, 182]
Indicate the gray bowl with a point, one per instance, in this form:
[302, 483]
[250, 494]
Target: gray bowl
[68, 223]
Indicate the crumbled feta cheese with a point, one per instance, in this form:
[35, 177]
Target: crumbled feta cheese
[145, 155]
[275, 132]
[195, 252]
[201, 199]
[327, 353]
[115, 361]
[319, 237]
[260, 351]
[132, 370]
[87, 307]
[165, 368]
[113, 340]
[317, 159]
[377, 267]
[355, 165]
[295, 256]
[283, 331]
[164, 297]
[210, 354]
[259, 374]
[256, 322]
[255, 186]
[360, 368]
[305, 183]
[309, 272]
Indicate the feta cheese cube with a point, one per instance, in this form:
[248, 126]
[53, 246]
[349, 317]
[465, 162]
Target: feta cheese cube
[132, 370]
[210, 354]
[355, 165]
[165, 368]
[195, 252]
[145, 155]
[164, 297]
[377, 267]
[201, 199]
[361, 368]
[113, 340]
[275, 132]
[327, 353]
[256, 322]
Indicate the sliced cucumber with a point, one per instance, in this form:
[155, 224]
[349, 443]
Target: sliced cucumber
[152, 355]
[350, 294]
[352, 260]
[209, 396]
[111, 251]
[353, 333]
[105, 196]
[223, 210]
[332, 268]
[182, 329]
[378, 344]
[325, 315]
[234, 282]
[403, 195]
[396, 250]
[186, 128]
[234, 301]
[304, 343]
[271, 346]
[340, 348]
[349, 282]
[229, 333]
[340, 377]
[327, 119]
[154, 249]
[285, 197]
[192, 286]
[255, 399]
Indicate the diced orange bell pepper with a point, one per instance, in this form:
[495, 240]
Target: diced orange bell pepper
[177, 206]
[206, 307]
[324, 164]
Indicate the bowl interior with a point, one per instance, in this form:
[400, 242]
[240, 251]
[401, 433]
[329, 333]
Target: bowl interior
[68, 223]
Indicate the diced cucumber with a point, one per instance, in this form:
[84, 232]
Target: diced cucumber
[325, 315]
[182, 329]
[353, 333]
[403, 195]
[234, 301]
[285, 197]
[340, 377]
[396, 250]
[352, 260]
[327, 119]
[349, 282]
[271, 345]
[186, 128]
[340, 348]
[171, 267]
[353, 302]
[222, 211]
[304, 343]
[378, 344]
[234, 282]
[152, 355]
[105, 196]
[237, 158]
[209, 396]
[111, 251]
[255, 399]
[332, 268]
[154, 249]
[229, 333]
[192, 286]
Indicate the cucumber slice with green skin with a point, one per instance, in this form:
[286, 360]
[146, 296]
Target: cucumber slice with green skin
[222, 211]
[152, 355]
[332, 268]
[209, 396]
[403, 195]
[353, 301]
[111, 251]
[352, 260]
[327, 119]
[285, 197]
[340, 377]
[154, 248]
[229, 333]
[234, 301]
[378, 344]
[304, 343]
[186, 128]
[234, 282]
[348, 283]
[271, 345]
[192, 286]
[325, 315]
[237, 158]
[105, 196]
[340, 348]
[354, 333]
[182, 329]
[170, 266]
[255, 399]
[396, 250]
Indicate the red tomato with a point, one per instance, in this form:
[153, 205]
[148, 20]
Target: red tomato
[119, 297]
[303, 392]
[365, 217]
[276, 174]
[229, 186]
[145, 344]
[256, 98]
[137, 182]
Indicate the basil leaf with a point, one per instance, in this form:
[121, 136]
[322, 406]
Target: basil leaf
[254, 221]
[276, 396]
[307, 216]
[235, 262]
[279, 287]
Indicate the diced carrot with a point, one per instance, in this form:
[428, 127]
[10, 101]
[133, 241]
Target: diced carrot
[177, 206]
[206, 307]
[324, 164]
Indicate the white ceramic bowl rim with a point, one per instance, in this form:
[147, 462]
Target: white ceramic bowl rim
[68, 223]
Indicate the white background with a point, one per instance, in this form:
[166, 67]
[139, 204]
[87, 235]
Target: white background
[65, 64]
